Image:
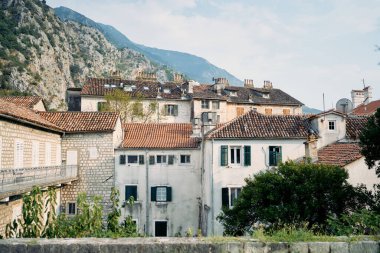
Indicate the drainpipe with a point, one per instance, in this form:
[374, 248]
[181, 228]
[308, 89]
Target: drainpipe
[202, 218]
[265, 158]
[212, 188]
[146, 193]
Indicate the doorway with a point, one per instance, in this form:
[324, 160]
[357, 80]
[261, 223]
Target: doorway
[161, 228]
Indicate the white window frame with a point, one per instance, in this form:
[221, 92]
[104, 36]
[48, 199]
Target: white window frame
[18, 153]
[35, 153]
[68, 208]
[127, 160]
[205, 102]
[233, 191]
[161, 193]
[187, 161]
[170, 109]
[47, 154]
[334, 125]
[234, 154]
[163, 157]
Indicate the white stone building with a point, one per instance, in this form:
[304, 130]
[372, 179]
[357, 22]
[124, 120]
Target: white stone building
[159, 166]
[241, 148]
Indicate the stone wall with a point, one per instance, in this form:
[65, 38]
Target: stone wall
[95, 166]
[179, 245]
[7, 213]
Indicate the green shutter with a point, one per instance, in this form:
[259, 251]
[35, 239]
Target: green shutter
[175, 110]
[141, 159]
[279, 155]
[168, 194]
[225, 198]
[122, 159]
[247, 155]
[171, 159]
[153, 193]
[151, 159]
[223, 155]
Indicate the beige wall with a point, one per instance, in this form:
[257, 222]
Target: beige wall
[10, 133]
[360, 174]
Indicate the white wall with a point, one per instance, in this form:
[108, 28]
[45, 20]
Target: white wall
[182, 212]
[328, 136]
[360, 174]
[90, 104]
[218, 176]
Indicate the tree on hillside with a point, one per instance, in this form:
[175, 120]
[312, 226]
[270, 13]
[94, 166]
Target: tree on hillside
[294, 194]
[370, 142]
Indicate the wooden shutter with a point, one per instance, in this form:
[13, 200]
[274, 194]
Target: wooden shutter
[175, 110]
[141, 159]
[247, 155]
[171, 159]
[225, 198]
[151, 159]
[279, 155]
[239, 111]
[131, 191]
[122, 159]
[153, 193]
[224, 155]
[168, 194]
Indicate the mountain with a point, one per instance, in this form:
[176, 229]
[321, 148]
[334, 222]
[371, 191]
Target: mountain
[192, 66]
[41, 55]
[309, 110]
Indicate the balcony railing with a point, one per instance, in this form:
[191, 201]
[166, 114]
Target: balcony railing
[17, 179]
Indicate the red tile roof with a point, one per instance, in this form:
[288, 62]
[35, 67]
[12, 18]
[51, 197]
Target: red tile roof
[256, 125]
[74, 122]
[26, 115]
[25, 101]
[339, 153]
[159, 136]
[354, 126]
[366, 110]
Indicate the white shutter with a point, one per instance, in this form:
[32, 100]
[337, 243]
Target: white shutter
[58, 159]
[47, 154]
[35, 153]
[19, 153]
[72, 157]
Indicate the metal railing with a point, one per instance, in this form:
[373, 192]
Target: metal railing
[12, 179]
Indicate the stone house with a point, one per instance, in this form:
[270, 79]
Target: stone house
[241, 148]
[30, 154]
[89, 142]
[159, 166]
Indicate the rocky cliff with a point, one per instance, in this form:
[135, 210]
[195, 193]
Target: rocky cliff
[41, 55]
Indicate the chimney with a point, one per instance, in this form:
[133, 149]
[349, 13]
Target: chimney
[311, 150]
[178, 78]
[190, 87]
[196, 128]
[146, 76]
[248, 83]
[268, 85]
[367, 95]
[220, 84]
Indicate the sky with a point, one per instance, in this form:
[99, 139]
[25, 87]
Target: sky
[306, 48]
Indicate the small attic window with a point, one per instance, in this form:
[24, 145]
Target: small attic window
[113, 85]
[167, 91]
[106, 85]
[266, 95]
[233, 93]
[146, 88]
[133, 87]
[127, 88]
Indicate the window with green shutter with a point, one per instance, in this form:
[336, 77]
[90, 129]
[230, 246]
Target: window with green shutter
[247, 155]
[171, 159]
[224, 155]
[141, 159]
[122, 159]
[225, 197]
[151, 159]
[161, 194]
[275, 155]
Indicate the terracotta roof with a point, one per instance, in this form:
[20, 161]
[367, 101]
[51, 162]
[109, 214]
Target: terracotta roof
[25, 101]
[330, 111]
[246, 95]
[147, 89]
[74, 122]
[24, 114]
[159, 136]
[256, 125]
[339, 153]
[366, 110]
[354, 126]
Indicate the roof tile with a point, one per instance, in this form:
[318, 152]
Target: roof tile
[366, 110]
[354, 126]
[25, 101]
[339, 153]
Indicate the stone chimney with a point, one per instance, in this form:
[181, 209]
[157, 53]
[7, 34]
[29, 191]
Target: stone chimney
[248, 83]
[220, 84]
[268, 85]
[146, 76]
[178, 78]
[311, 150]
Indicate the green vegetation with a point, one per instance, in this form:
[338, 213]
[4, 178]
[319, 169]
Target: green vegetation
[294, 195]
[370, 142]
[88, 222]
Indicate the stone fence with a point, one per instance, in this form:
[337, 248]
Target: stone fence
[180, 245]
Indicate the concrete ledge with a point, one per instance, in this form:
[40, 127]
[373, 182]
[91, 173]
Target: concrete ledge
[179, 245]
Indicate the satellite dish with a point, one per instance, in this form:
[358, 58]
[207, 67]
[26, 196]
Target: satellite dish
[344, 105]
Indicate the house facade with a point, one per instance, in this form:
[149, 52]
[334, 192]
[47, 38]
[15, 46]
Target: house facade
[244, 147]
[158, 165]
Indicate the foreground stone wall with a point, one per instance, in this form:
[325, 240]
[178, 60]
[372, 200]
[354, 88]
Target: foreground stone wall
[179, 245]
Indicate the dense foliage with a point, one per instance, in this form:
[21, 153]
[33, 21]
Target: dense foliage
[370, 142]
[294, 194]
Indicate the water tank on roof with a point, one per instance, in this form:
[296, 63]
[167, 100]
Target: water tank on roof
[344, 105]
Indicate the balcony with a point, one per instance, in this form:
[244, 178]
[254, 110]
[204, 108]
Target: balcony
[21, 180]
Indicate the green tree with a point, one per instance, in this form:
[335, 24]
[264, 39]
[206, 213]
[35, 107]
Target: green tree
[294, 194]
[370, 142]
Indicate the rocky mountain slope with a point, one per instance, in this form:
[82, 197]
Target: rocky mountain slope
[41, 55]
[192, 66]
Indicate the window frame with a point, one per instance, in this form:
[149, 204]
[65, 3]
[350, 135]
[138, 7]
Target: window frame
[171, 110]
[205, 104]
[233, 193]
[329, 125]
[134, 186]
[154, 194]
[68, 213]
[215, 104]
[235, 155]
[132, 163]
[122, 159]
[278, 155]
[186, 161]
[163, 160]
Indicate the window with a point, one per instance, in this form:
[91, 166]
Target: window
[239, 111]
[161, 193]
[171, 110]
[131, 191]
[332, 125]
[185, 158]
[71, 208]
[47, 154]
[93, 153]
[235, 155]
[268, 111]
[19, 154]
[275, 155]
[58, 158]
[229, 196]
[204, 104]
[133, 159]
[122, 159]
[286, 111]
[171, 159]
[151, 159]
[161, 159]
[161, 228]
[215, 105]
[35, 153]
